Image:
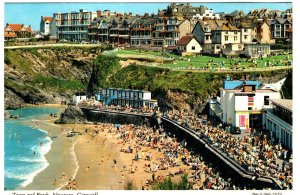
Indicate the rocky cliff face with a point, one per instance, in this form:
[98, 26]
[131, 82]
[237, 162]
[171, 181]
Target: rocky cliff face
[45, 75]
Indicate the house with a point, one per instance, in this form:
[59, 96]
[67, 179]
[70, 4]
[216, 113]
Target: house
[126, 97]
[188, 45]
[141, 32]
[78, 97]
[45, 25]
[242, 104]
[280, 27]
[168, 31]
[12, 31]
[74, 25]
[278, 120]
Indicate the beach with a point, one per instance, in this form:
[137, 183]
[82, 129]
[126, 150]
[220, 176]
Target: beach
[87, 159]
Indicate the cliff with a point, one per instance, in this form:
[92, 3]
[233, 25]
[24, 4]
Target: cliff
[45, 74]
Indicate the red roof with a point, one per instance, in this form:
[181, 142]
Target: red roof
[184, 40]
[28, 29]
[47, 18]
[15, 27]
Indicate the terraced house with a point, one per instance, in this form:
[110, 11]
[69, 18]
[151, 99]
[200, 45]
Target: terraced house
[141, 32]
[74, 25]
[169, 30]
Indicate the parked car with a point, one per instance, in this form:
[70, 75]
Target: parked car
[84, 42]
[235, 130]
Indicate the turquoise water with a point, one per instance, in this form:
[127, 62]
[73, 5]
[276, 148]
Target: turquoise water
[24, 147]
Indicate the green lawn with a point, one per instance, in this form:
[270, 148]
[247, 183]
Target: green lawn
[208, 61]
[216, 62]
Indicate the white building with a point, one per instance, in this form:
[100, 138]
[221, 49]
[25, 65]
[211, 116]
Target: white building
[279, 120]
[78, 97]
[189, 45]
[242, 103]
[207, 14]
[126, 97]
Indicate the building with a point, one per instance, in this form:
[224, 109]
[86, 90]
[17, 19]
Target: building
[279, 121]
[74, 25]
[126, 97]
[256, 50]
[169, 30]
[45, 25]
[209, 14]
[12, 31]
[78, 97]
[188, 45]
[280, 28]
[141, 32]
[242, 103]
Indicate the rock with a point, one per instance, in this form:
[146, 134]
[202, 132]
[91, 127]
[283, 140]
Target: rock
[72, 114]
[6, 114]
[12, 101]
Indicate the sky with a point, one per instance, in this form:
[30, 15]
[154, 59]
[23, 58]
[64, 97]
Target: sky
[30, 13]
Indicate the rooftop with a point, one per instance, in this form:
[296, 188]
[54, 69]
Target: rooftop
[286, 103]
[184, 40]
[233, 84]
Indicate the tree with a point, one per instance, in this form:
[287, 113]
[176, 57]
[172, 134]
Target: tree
[103, 67]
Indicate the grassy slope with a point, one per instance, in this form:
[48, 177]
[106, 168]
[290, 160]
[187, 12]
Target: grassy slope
[199, 84]
[37, 80]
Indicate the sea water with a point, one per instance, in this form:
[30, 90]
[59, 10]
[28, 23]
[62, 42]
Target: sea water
[25, 147]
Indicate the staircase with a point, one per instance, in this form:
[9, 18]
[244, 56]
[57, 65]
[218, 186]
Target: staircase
[109, 100]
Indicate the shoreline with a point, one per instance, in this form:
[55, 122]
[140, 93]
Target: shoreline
[80, 158]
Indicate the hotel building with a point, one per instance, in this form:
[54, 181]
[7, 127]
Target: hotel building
[74, 25]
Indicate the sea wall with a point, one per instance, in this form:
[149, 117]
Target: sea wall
[224, 164]
[119, 117]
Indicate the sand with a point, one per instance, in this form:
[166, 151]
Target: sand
[80, 159]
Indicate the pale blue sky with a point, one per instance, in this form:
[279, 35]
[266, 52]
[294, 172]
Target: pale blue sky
[30, 13]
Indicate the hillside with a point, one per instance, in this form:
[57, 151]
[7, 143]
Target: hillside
[45, 75]
[51, 74]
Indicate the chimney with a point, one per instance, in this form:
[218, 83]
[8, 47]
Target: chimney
[42, 18]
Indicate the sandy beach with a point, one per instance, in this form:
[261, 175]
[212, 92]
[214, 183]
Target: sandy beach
[89, 159]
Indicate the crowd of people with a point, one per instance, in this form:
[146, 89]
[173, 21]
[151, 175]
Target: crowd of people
[254, 152]
[159, 150]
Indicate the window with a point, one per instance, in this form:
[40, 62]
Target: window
[235, 38]
[226, 32]
[193, 47]
[226, 38]
[235, 32]
[245, 30]
[245, 36]
[266, 100]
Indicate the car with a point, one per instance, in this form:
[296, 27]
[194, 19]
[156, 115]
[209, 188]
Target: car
[63, 40]
[235, 130]
[84, 42]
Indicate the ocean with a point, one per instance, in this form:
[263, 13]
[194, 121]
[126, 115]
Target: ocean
[25, 147]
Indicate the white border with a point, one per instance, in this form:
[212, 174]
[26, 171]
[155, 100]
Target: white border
[296, 61]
